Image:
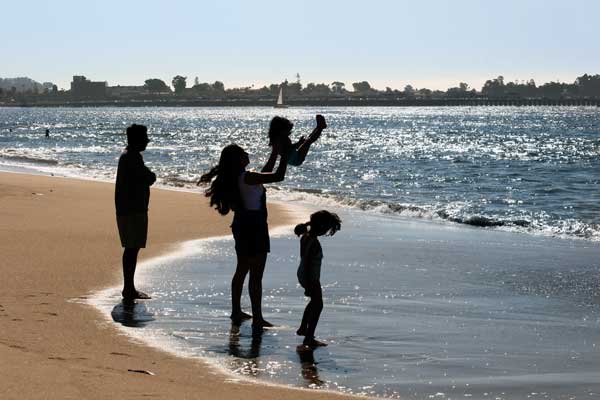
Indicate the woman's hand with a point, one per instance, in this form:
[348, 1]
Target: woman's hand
[285, 146]
[282, 146]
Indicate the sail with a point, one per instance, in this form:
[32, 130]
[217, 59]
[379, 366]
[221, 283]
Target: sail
[280, 98]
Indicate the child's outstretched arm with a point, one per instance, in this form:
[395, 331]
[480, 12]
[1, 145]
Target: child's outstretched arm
[304, 144]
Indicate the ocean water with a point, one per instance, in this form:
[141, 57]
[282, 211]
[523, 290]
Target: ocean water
[468, 264]
[413, 310]
[530, 169]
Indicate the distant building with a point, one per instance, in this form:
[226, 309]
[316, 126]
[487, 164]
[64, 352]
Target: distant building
[83, 88]
[126, 91]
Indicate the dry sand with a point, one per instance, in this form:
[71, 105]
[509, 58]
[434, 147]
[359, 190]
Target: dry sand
[59, 242]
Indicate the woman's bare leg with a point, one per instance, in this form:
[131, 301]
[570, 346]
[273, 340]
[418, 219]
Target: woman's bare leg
[257, 268]
[237, 286]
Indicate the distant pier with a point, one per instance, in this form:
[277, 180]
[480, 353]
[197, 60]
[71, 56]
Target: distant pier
[314, 102]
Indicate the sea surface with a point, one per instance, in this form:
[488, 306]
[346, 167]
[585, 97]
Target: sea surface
[468, 264]
[531, 169]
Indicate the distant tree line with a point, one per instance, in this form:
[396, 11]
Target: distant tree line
[584, 87]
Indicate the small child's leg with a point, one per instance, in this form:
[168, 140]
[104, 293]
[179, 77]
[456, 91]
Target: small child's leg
[303, 145]
[304, 324]
[316, 306]
[302, 152]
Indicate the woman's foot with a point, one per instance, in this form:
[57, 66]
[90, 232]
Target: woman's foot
[237, 318]
[261, 323]
[313, 343]
[135, 294]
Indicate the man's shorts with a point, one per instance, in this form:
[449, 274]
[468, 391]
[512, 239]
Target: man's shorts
[133, 230]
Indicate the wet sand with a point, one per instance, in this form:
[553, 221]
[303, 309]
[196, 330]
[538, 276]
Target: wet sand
[59, 243]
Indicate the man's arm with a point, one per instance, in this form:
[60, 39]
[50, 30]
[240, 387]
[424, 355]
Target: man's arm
[143, 173]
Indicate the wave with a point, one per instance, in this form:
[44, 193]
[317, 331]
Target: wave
[458, 213]
[177, 181]
[566, 229]
[12, 156]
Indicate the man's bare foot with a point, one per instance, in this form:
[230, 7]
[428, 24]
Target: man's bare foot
[314, 343]
[136, 294]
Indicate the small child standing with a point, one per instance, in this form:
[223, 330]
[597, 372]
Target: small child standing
[309, 271]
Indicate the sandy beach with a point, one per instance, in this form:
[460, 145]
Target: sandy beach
[59, 243]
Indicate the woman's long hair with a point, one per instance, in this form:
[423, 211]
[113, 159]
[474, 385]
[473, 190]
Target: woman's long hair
[224, 191]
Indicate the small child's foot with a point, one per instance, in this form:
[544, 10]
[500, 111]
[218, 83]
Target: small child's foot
[301, 332]
[314, 343]
[237, 318]
[303, 348]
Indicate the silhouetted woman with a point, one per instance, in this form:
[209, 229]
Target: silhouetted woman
[234, 188]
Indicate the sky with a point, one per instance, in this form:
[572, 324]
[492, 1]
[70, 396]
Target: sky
[426, 43]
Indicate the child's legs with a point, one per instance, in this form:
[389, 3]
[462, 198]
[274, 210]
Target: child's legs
[314, 309]
[303, 151]
[305, 317]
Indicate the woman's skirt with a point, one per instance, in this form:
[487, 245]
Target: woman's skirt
[251, 233]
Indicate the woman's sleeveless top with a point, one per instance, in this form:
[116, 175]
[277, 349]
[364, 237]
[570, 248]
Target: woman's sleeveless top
[252, 195]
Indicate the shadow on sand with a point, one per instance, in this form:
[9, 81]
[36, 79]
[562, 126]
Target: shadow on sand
[131, 314]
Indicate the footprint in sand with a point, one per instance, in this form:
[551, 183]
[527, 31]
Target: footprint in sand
[116, 353]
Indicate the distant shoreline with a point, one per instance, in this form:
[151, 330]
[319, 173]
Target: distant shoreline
[346, 102]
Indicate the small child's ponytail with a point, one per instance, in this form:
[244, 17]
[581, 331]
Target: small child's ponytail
[301, 229]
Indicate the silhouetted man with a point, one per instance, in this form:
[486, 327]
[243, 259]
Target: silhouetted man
[132, 195]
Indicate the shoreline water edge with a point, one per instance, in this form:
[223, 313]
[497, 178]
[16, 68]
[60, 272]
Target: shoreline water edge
[54, 348]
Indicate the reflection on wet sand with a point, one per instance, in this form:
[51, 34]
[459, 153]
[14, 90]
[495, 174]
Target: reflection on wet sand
[131, 314]
[246, 361]
[310, 372]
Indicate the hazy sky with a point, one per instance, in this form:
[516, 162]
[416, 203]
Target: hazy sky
[427, 43]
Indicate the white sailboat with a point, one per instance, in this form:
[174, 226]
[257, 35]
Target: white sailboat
[279, 103]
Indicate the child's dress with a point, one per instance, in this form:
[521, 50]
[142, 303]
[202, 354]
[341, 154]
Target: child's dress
[309, 270]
